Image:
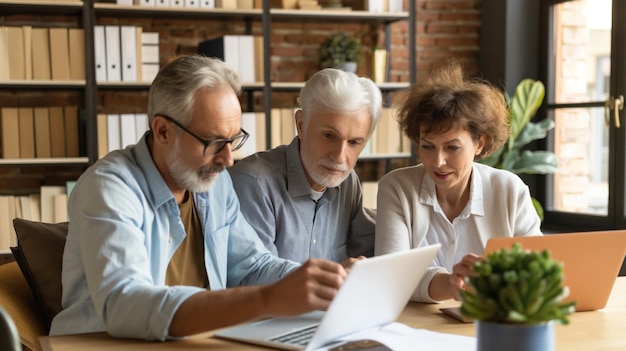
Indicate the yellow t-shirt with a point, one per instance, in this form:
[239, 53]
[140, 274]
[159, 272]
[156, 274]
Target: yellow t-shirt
[187, 265]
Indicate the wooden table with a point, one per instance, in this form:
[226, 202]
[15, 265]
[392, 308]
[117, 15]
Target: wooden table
[596, 330]
[592, 330]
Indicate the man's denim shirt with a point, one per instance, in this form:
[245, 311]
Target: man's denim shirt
[124, 228]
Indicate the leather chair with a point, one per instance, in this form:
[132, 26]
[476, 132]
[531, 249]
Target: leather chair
[9, 337]
[17, 299]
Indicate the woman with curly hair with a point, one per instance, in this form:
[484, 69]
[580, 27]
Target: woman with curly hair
[449, 198]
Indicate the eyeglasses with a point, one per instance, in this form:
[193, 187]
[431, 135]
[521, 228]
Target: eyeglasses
[215, 146]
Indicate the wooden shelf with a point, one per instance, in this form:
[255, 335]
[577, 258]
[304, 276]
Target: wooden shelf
[43, 161]
[399, 155]
[333, 15]
[41, 7]
[140, 11]
[288, 86]
[146, 86]
[42, 84]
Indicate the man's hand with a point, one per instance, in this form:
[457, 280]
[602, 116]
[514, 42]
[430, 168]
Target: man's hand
[311, 287]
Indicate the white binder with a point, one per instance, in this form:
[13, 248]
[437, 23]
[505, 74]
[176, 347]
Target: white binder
[128, 134]
[246, 58]
[141, 124]
[231, 52]
[129, 53]
[112, 40]
[207, 4]
[145, 2]
[100, 53]
[114, 140]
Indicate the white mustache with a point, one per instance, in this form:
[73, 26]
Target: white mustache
[210, 169]
[334, 166]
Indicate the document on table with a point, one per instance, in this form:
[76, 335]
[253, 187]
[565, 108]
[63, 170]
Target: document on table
[400, 337]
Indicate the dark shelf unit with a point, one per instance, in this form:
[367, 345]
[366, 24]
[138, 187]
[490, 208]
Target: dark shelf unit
[89, 10]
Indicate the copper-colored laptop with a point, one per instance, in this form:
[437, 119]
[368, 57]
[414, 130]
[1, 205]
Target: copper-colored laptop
[591, 261]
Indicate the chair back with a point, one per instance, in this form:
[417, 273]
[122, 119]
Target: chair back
[17, 299]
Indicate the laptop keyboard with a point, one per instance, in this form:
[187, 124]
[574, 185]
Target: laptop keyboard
[298, 337]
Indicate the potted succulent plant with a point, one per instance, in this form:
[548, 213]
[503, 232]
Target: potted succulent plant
[340, 50]
[515, 297]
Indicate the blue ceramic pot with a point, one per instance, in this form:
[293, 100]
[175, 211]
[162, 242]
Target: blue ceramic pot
[514, 337]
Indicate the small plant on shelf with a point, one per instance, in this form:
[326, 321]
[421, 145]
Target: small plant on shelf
[517, 286]
[338, 49]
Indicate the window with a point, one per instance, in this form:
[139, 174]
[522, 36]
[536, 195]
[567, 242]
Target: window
[585, 76]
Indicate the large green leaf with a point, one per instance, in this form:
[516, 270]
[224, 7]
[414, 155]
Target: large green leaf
[528, 97]
[523, 106]
[533, 131]
[509, 160]
[494, 159]
[538, 208]
[536, 162]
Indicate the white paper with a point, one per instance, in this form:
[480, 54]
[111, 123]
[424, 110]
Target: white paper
[400, 337]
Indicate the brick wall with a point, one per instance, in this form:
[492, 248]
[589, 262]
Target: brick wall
[445, 29]
[572, 134]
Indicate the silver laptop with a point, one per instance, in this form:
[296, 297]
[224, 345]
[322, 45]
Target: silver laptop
[374, 294]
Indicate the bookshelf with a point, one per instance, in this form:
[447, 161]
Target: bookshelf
[89, 12]
[90, 95]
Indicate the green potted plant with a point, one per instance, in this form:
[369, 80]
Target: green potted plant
[515, 296]
[340, 50]
[522, 108]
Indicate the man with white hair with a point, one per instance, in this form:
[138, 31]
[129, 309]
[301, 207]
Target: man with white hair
[304, 199]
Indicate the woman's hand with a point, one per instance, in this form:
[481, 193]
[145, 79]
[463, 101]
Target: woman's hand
[460, 271]
[446, 286]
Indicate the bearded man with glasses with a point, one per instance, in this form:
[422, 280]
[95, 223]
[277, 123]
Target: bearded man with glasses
[157, 247]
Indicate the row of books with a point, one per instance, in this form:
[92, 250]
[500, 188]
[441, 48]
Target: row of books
[386, 138]
[28, 53]
[116, 131]
[376, 6]
[125, 54]
[283, 130]
[382, 6]
[49, 206]
[40, 132]
[243, 53]
[206, 4]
